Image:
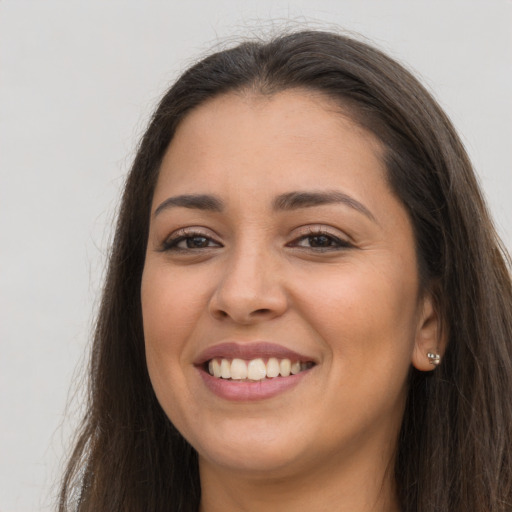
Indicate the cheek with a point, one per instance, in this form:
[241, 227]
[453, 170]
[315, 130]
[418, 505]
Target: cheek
[172, 303]
[365, 314]
[366, 319]
[171, 306]
[168, 320]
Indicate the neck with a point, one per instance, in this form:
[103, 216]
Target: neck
[340, 487]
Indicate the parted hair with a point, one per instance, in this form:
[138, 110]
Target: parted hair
[454, 452]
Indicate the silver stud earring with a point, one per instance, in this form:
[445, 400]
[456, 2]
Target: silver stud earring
[434, 359]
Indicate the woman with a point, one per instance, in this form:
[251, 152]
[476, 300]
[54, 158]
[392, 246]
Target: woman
[307, 306]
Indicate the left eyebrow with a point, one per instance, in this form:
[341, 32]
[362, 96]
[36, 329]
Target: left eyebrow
[306, 199]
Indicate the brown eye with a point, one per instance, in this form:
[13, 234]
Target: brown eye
[196, 242]
[322, 241]
[189, 242]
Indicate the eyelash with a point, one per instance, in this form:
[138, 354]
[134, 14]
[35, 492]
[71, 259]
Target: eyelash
[171, 244]
[335, 243]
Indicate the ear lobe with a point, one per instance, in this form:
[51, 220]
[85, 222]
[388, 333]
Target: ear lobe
[430, 341]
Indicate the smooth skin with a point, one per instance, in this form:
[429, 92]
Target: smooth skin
[336, 281]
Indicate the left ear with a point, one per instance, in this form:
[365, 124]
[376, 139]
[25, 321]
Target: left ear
[430, 341]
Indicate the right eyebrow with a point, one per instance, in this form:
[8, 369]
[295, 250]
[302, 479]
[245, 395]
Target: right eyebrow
[194, 201]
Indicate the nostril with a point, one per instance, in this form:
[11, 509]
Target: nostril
[261, 312]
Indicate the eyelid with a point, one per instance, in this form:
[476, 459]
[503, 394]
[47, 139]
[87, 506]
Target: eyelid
[321, 229]
[170, 242]
[342, 240]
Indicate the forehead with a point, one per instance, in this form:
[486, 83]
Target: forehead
[269, 143]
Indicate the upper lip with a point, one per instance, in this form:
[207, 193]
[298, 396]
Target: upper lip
[248, 351]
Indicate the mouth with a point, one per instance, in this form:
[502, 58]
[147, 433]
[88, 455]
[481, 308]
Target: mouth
[252, 371]
[255, 370]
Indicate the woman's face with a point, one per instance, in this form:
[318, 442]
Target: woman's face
[280, 292]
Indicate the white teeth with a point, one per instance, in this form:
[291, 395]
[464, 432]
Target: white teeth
[285, 367]
[216, 368]
[272, 367]
[295, 368]
[238, 369]
[256, 369]
[225, 369]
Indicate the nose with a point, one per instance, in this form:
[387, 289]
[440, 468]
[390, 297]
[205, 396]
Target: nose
[250, 289]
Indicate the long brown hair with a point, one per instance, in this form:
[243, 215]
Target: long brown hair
[455, 446]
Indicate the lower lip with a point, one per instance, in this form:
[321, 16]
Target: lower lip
[245, 391]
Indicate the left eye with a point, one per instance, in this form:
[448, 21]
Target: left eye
[320, 241]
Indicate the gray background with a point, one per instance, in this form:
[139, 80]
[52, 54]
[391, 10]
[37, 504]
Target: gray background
[77, 83]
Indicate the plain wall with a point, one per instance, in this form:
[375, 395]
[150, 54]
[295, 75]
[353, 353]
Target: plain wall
[78, 81]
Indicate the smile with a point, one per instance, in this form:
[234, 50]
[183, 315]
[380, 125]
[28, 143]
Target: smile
[255, 369]
[247, 371]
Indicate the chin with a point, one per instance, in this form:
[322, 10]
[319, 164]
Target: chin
[261, 452]
[268, 463]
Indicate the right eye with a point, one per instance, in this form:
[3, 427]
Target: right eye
[189, 242]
